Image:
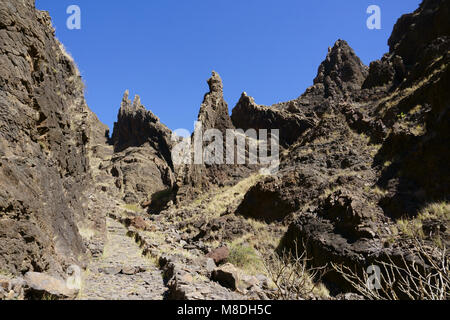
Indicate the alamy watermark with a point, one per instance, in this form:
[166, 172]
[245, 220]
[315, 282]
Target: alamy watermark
[374, 278]
[374, 20]
[241, 147]
[74, 20]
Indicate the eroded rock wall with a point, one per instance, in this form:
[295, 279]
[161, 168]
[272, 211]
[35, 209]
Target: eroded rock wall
[46, 130]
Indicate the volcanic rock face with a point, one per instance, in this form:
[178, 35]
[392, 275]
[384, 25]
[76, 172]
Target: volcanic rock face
[142, 163]
[214, 112]
[340, 75]
[415, 31]
[376, 154]
[341, 71]
[248, 115]
[418, 113]
[46, 131]
[136, 126]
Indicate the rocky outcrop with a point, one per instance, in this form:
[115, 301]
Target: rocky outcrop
[137, 126]
[375, 154]
[293, 122]
[142, 161]
[390, 70]
[214, 112]
[227, 276]
[46, 135]
[417, 113]
[342, 70]
[340, 76]
[194, 178]
[36, 286]
[325, 158]
[41, 286]
[267, 201]
[220, 255]
[415, 31]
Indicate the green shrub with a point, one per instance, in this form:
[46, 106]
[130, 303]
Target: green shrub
[244, 257]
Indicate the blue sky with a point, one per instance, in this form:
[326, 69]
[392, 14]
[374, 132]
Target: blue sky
[165, 50]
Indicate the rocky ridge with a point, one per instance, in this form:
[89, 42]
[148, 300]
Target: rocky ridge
[371, 159]
[142, 163]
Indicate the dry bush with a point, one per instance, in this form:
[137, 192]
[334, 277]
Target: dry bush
[408, 281]
[292, 277]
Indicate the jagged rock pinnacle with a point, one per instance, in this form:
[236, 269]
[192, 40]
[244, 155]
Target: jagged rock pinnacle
[137, 101]
[136, 126]
[214, 110]
[215, 83]
[245, 98]
[341, 70]
[125, 96]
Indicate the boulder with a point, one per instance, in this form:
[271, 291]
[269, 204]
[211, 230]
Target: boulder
[138, 223]
[12, 288]
[43, 286]
[129, 270]
[246, 282]
[227, 276]
[210, 265]
[219, 255]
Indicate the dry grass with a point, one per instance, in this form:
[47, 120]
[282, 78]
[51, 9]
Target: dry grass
[378, 191]
[412, 228]
[264, 236]
[407, 125]
[387, 164]
[321, 140]
[217, 201]
[5, 274]
[329, 191]
[227, 196]
[419, 130]
[132, 207]
[364, 138]
[436, 210]
[415, 110]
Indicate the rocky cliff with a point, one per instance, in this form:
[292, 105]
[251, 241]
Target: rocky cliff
[46, 134]
[142, 162]
[377, 154]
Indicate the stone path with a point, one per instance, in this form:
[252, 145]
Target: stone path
[122, 273]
